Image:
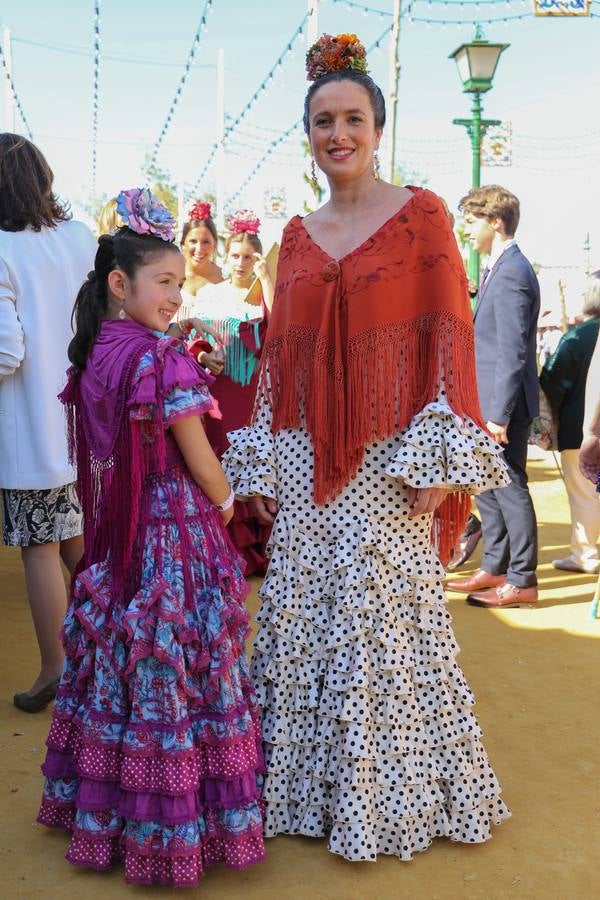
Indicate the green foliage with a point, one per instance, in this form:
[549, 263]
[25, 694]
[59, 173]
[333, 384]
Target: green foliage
[160, 182]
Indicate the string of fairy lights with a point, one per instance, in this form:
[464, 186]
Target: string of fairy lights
[266, 81]
[95, 93]
[15, 96]
[246, 144]
[182, 81]
[232, 199]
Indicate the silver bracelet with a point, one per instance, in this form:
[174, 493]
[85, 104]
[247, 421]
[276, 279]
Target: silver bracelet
[227, 504]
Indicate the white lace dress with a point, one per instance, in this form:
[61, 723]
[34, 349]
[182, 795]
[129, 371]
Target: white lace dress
[367, 718]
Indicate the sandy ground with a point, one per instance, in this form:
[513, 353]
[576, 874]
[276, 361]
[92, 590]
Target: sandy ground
[535, 674]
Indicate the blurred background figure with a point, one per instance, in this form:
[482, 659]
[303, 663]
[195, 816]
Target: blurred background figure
[563, 380]
[44, 258]
[109, 219]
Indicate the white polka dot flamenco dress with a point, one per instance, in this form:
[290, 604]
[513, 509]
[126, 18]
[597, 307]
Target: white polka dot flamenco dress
[367, 721]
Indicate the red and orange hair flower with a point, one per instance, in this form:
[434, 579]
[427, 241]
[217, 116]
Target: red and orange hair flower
[332, 54]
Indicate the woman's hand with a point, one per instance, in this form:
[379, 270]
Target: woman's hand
[213, 361]
[425, 500]
[201, 327]
[589, 458]
[265, 509]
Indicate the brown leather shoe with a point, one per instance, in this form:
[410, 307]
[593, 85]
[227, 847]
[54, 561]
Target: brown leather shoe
[34, 703]
[504, 597]
[477, 582]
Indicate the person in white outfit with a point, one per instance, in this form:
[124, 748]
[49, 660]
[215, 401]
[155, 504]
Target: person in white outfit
[44, 258]
[563, 380]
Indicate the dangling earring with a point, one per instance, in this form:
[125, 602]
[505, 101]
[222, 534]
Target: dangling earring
[313, 172]
[376, 166]
[122, 313]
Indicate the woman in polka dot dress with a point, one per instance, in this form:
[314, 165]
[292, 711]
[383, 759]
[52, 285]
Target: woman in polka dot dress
[367, 436]
[154, 752]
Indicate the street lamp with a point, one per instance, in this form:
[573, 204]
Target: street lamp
[476, 64]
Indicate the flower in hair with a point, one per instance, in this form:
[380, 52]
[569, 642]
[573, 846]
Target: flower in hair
[243, 222]
[200, 211]
[332, 54]
[142, 213]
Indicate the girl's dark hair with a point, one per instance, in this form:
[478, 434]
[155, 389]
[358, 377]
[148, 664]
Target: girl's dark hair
[197, 223]
[123, 250]
[374, 92]
[26, 196]
[239, 237]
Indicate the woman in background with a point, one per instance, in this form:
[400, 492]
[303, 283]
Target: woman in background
[44, 257]
[199, 241]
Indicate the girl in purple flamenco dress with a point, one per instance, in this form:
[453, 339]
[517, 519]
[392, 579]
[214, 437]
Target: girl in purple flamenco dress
[154, 753]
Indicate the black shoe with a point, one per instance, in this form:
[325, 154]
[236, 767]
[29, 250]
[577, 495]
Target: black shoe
[33, 703]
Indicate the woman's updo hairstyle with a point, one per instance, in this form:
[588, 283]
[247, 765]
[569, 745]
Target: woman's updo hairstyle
[125, 250]
[200, 215]
[341, 58]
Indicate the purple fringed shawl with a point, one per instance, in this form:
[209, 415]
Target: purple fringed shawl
[114, 453]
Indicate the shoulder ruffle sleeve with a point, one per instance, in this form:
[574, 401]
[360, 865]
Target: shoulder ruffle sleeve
[441, 449]
[250, 462]
[168, 376]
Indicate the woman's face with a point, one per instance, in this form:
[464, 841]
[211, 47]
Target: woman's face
[198, 247]
[241, 259]
[343, 137]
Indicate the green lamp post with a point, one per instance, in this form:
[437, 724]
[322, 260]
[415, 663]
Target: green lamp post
[476, 64]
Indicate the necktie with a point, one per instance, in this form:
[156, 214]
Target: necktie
[484, 276]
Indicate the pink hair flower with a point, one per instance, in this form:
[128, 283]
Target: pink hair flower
[243, 222]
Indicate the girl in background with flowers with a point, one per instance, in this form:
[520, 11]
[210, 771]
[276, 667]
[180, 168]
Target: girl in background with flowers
[154, 747]
[227, 309]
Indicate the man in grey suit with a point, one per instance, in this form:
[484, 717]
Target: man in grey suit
[505, 319]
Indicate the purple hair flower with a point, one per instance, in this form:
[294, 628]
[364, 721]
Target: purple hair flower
[141, 211]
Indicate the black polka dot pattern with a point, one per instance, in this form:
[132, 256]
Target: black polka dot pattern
[367, 722]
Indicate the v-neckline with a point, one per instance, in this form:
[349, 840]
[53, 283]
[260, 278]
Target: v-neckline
[370, 237]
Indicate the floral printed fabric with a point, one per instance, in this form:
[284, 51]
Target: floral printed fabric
[40, 516]
[154, 754]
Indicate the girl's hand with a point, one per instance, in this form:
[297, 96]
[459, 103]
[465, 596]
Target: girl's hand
[226, 515]
[265, 509]
[260, 267]
[425, 500]
[213, 361]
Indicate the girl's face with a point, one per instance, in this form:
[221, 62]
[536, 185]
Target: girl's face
[343, 137]
[154, 295]
[199, 246]
[241, 259]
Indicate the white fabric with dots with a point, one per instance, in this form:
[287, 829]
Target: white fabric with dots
[368, 726]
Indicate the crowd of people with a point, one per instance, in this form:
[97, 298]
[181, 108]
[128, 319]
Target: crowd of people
[345, 416]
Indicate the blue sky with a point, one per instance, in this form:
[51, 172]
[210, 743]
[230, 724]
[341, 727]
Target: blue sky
[547, 85]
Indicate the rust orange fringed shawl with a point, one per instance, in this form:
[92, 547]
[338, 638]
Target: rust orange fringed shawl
[357, 346]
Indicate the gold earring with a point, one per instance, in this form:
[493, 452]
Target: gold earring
[313, 172]
[376, 166]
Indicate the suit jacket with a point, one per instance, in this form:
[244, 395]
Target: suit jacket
[505, 321]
